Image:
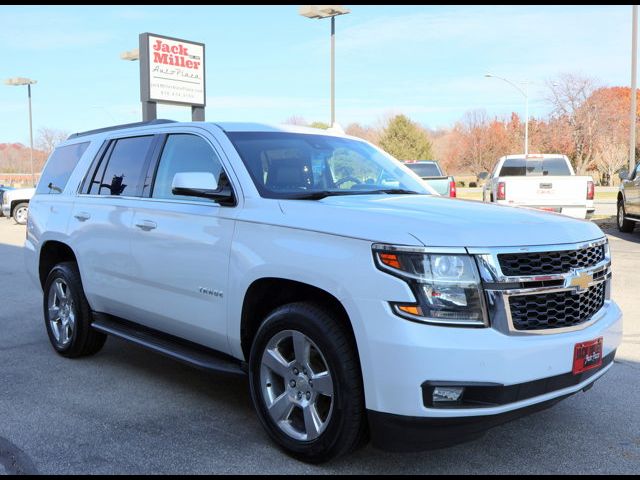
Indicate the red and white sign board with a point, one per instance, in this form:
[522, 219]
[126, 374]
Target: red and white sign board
[175, 70]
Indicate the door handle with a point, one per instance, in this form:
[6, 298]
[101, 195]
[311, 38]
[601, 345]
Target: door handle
[83, 216]
[146, 225]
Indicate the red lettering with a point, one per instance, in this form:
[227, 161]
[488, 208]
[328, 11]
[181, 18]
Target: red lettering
[160, 58]
[177, 59]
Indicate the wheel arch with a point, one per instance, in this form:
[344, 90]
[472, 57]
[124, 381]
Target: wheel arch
[15, 203]
[52, 253]
[266, 294]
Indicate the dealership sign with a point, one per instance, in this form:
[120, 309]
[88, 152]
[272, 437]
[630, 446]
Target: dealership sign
[172, 70]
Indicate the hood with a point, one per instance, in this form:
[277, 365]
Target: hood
[435, 221]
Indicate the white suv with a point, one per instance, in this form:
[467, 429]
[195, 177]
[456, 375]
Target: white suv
[359, 305]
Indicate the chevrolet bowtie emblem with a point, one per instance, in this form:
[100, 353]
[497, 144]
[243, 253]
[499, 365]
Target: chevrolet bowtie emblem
[582, 280]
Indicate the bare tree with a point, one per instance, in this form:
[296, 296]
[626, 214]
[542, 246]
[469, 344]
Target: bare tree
[569, 96]
[611, 156]
[296, 120]
[371, 134]
[49, 138]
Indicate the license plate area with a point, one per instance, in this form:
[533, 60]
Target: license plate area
[587, 355]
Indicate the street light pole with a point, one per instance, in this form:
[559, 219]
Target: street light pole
[333, 70]
[525, 93]
[526, 121]
[634, 68]
[19, 81]
[33, 176]
[325, 11]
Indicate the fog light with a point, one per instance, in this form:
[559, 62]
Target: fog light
[444, 395]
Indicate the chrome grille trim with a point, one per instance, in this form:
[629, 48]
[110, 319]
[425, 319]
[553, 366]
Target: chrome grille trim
[499, 288]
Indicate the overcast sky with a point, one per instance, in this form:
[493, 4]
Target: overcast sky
[267, 64]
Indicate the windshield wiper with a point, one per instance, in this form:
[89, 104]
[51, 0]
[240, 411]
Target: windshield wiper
[320, 194]
[397, 191]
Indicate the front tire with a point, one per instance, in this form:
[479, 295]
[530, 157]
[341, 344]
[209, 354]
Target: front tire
[624, 225]
[20, 213]
[306, 383]
[67, 315]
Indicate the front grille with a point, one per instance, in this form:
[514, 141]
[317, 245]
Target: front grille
[556, 310]
[549, 263]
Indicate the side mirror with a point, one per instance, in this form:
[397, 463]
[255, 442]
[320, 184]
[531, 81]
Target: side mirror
[623, 174]
[202, 184]
[483, 175]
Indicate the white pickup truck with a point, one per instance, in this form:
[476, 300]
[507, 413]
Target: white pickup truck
[546, 182]
[15, 203]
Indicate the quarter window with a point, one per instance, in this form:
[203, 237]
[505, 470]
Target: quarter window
[59, 168]
[185, 153]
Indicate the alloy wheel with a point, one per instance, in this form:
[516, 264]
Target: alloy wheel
[296, 385]
[62, 315]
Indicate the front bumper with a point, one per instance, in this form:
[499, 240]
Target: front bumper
[398, 356]
[402, 433]
[525, 374]
[397, 433]
[6, 209]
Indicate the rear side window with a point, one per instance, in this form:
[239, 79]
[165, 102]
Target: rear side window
[519, 167]
[185, 153]
[61, 164]
[425, 169]
[124, 172]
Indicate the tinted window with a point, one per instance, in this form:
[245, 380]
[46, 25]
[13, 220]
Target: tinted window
[425, 169]
[519, 167]
[61, 164]
[185, 153]
[124, 173]
[291, 165]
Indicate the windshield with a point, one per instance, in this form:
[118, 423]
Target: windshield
[519, 167]
[298, 165]
[425, 169]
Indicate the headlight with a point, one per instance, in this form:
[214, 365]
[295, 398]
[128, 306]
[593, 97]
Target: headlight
[446, 286]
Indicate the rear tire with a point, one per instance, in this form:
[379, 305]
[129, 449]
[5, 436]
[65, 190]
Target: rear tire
[624, 225]
[318, 421]
[67, 315]
[20, 213]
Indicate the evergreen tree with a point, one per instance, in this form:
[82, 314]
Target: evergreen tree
[406, 140]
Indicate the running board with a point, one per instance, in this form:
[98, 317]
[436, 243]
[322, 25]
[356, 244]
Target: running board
[168, 345]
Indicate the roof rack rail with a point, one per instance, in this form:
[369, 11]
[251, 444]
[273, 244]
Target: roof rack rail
[119, 127]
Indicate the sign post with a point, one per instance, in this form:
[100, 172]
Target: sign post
[171, 72]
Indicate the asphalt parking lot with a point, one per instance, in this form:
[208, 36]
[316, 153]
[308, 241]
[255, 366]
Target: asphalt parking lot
[127, 410]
